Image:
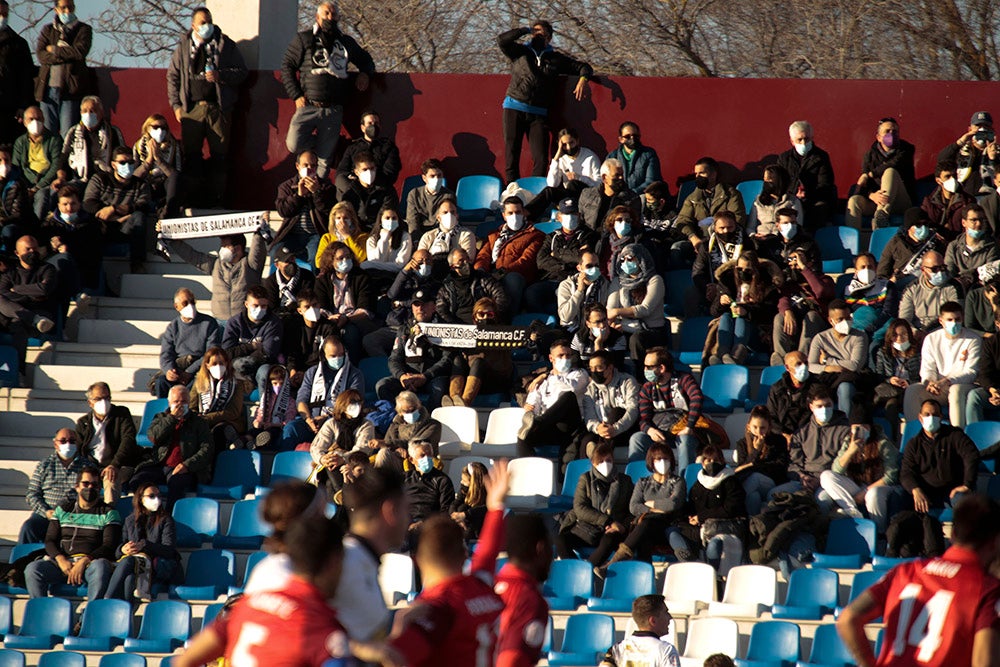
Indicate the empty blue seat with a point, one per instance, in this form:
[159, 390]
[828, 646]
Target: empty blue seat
[525, 319]
[625, 581]
[811, 594]
[9, 367]
[985, 435]
[880, 239]
[211, 611]
[62, 659]
[409, 183]
[252, 562]
[772, 643]
[885, 563]
[725, 387]
[122, 660]
[637, 470]
[237, 473]
[166, 625]
[153, 407]
[827, 649]
[475, 195]
[373, 369]
[209, 574]
[849, 542]
[289, 466]
[768, 377]
[691, 475]
[247, 528]
[675, 284]
[548, 226]
[861, 582]
[533, 184]
[750, 190]
[167, 661]
[838, 247]
[11, 658]
[197, 521]
[573, 472]
[683, 192]
[6, 615]
[17, 552]
[46, 621]
[106, 624]
[570, 584]
[694, 331]
[586, 639]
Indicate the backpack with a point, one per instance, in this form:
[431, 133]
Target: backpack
[913, 535]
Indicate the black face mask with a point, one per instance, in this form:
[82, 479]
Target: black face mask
[701, 182]
[30, 258]
[714, 468]
[631, 143]
[746, 275]
[89, 494]
[328, 26]
[618, 185]
[371, 131]
[598, 377]
[538, 42]
[572, 152]
[768, 191]
[729, 237]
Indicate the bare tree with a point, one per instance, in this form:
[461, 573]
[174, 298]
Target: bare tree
[147, 30]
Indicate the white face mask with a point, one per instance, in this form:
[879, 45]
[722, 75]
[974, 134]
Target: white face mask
[306, 172]
[661, 466]
[158, 134]
[448, 221]
[366, 176]
[390, 225]
[312, 314]
[865, 276]
[515, 221]
[89, 120]
[188, 312]
[570, 222]
[563, 365]
[226, 255]
[843, 327]
[152, 504]
[801, 372]
[902, 346]
[257, 313]
[433, 184]
[217, 371]
[66, 451]
[604, 468]
[102, 406]
[787, 230]
[35, 127]
[353, 410]
[4, 170]
[950, 185]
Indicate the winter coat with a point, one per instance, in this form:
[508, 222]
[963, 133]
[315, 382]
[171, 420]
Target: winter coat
[231, 72]
[195, 442]
[77, 38]
[120, 448]
[518, 255]
[297, 67]
[534, 76]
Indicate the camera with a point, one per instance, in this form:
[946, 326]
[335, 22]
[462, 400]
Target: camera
[984, 136]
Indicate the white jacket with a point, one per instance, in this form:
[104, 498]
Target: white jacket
[954, 358]
[585, 165]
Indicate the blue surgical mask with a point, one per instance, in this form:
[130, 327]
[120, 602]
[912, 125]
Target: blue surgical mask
[650, 375]
[124, 170]
[336, 363]
[630, 268]
[66, 19]
[570, 221]
[71, 217]
[592, 273]
[823, 415]
[623, 228]
[801, 373]
[939, 278]
[205, 31]
[89, 120]
[787, 230]
[411, 417]
[424, 464]
[344, 265]
[802, 149]
[930, 423]
[424, 270]
[952, 328]
[921, 233]
[562, 364]
[974, 234]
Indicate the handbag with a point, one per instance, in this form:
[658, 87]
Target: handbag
[707, 431]
[587, 532]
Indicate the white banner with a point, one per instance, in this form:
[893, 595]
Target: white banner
[211, 225]
[467, 336]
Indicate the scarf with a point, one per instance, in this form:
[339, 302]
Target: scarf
[617, 245]
[442, 242]
[280, 405]
[346, 429]
[503, 238]
[677, 400]
[912, 267]
[217, 397]
[329, 55]
[711, 483]
[646, 268]
[286, 288]
[725, 252]
[211, 49]
[79, 157]
[318, 393]
[873, 294]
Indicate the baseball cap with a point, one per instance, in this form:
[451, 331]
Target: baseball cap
[981, 118]
[568, 206]
[284, 254]
[422, 296]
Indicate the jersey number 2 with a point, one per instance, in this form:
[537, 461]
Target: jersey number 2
[251, 635]
[924, 631]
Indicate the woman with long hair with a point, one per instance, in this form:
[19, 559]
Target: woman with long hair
[217, 396]
[761, 459]
[745, 304]
[147, 554]
[469, 508]
[897, 365]
[158, 158]
[346, 228]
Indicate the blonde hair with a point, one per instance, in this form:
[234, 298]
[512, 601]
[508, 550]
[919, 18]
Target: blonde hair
[347, 209]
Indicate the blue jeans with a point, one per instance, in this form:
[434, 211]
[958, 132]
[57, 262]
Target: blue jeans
[123, 580]
[318, 129]
[685, 447]
[845, 396]
[42, 574]
[43, 202]
[295, 433]
[387, 389]
[756, 487]
[734, 331]
[513, 285]
[978, 407]
[33, 529]
[59, 114]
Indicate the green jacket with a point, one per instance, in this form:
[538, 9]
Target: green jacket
[53, 151]
[195, 441]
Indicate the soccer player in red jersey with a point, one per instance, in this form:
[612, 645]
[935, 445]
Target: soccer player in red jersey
[291, 627]
[940, 612]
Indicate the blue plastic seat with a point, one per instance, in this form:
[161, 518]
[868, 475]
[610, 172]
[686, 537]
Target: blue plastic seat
[533, 184]
[850, 543]
[289, 466]
[570, 584]
[573, 472]
[475, 194]
[768, 377]
[691, 475]
[676, 283]
[211, 611]
[725, 387]
[9, 367]
[252, 562]
[586, 639]
[548, 226]
[827, 649]
[772, 643]
[625, 581]
[20, 551]
[6, 614]
[993, 488]
[880, 239]
[11, 658]
[62, 659]
[525, 319]
[885, 563]
[197, 521]
[910, 430]
[811, 594]
[247, 529]
[122, 660]
[750, 190]
[694, 331]
[984, 434]
[166, 625]
[237, 473]
[409, 183]
[46, 621]
[209, 574]
[637, 470]
[838, 247]
[683, 192]
[105, 625]
[153, 407]
[373, 369]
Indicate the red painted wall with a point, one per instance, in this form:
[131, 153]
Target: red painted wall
[456, 117]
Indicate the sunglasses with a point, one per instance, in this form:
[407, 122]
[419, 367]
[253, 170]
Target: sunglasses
[64, 441]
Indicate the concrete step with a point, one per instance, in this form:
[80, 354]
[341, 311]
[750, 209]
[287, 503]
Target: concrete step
[79, 378]
[144, 286]
[117, 308]
[36, 424]
[121, 333]
[15, 475]
[71, 402]
[101, 354]
[156, 265]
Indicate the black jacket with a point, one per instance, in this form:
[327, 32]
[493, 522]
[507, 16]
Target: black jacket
[406, 282]
[456, 298]
[15, 205]
[299, 64]
[301, 344]
[194, 437]
[77, 39]
[594, 206]
[306, 282]
[900, 159]
[429, 493]
[559, 254]
[357, 284]
[989, 362]
[787, 404]
[368, 201]
[33, 289]
[773, 464]
[814, 172]
[17, 72]
[937, 466]
[533, 77]
[290, 206]
[120, 446]
[386, 155]
[415, 354]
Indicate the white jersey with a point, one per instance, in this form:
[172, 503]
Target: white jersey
[643, 649]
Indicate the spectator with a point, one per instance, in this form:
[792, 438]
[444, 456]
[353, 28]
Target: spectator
[708, 198]
[622, 226]
[345, 227]
[484, 370]
[636, 308]
[464, 286]
[669, 409]
[203, 79]
[717, 516]
[640, 163]
[121, 201]
[38, 154]
[510, 253]
[63, 76]
[982, 305]
[746, 302]
[610, 405]
[659, 219]
[233, 271]
[106, 434]
[416, 364]
[88, 145]
[558, 257]
[922, 299]
[984, 400]
[15, 205]
[157, 156]
[901, 258]
[382, 149]
[181, 453]
[345, 431]
[332, 375]
[428, 490]
[303, 336]
[972, 249]
[873, 300]
[600, 516]
[252, 338]
[810, 175]
[418, 273]
[786, 399]
[27, 295]
[73, 237]
[304, 203]
[81, 538]
[719, 660]
[276, 409]
[775, 195]
[940, 463]
[469, 508]
[974, 154]
[949, 361]
[184, 343]
[573, 168]
[725, 244]
[535, 68]
[866, 469]
[946, 204]
[801, 306]
[345, 293]
[286, 284]
[838, 356]
[581, 291]
[816, 444]
[897, 365]
[761, 459]
[16, 86]
[314, 73]
[217, 396]
[446, 237]
[991, 204]
[657, 500]
[887, 184]
[422, 202]
[388, 247]
[595, 202]
[644, 646]
[553, 406]
[147, 554]
[366, 194]
[598, 336]
[52, 483]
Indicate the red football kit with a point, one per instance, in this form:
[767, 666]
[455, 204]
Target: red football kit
[293, 627]
[524, 620]
[934, 608]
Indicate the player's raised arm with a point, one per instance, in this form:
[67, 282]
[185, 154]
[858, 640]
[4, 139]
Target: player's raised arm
[851, 627]
[491, 536]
